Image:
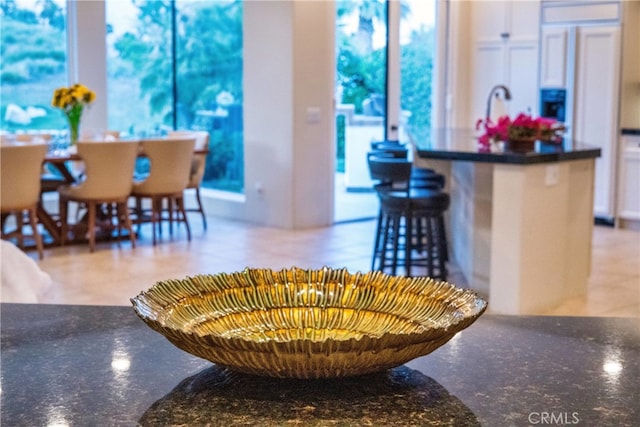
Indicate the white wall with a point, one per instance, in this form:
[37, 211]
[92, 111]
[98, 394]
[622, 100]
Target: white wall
[288, 68]
[313, 88]
[268, 113]
[87, 57]
[459, 59]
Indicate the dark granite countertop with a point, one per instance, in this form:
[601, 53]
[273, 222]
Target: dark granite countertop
[462, 145]
[102, 366]
[631, 131]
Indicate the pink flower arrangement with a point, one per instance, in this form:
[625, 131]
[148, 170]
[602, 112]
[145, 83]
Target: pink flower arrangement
[522, 127]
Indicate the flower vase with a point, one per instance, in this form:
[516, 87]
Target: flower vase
[73, 116]
[523, 145]
[74, 129]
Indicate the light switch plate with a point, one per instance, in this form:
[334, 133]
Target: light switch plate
[552, 175]
[313, 115]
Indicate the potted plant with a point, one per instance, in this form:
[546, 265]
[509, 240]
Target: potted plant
[519, 134]
[72, 100]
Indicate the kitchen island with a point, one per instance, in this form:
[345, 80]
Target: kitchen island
[102, 366]
[520, 223]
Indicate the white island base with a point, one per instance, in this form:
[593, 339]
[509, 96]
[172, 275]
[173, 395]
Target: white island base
[521, 234]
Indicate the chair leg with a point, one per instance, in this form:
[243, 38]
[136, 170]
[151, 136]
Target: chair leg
[63, 207]
[180, 205]
[19, 229]
[443, 256]
[156, 209]
[430, 250]
[396, 243]
[376, 244]
[170, 206]
[91, 206]
[139, 214]
[118, 215]
[33, 218]
[200, 208]
[443, 231]
[408, 244]
[123, 215]
[385, 242]
[3, 219]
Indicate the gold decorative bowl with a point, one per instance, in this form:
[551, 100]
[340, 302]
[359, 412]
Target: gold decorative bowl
[297, 323]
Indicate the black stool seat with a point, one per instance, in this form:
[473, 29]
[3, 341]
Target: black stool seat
[428, 199]
[391, 152]
[386, 143]
[420, 176]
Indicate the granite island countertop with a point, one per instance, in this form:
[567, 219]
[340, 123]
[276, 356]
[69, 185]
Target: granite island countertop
[94, 365]
[462, 145]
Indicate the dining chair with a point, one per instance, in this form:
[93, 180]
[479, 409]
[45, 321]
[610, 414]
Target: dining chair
[170, 160]
[108, 180]
[20, 188]
[49, 179]
[197, 167]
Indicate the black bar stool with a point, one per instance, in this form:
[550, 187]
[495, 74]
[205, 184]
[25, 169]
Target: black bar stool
[410, 230]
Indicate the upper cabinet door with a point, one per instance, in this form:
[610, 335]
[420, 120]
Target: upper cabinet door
[489, 20]
[516, 21]
[523, 20]
[553, 57]
[505, 51]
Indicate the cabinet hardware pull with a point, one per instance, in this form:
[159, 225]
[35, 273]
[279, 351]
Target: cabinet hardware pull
[504, 35]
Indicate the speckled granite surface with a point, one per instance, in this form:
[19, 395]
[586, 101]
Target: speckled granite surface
[101, 366]
[462, 145]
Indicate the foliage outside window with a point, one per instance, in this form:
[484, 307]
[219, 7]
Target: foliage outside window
[34, 63]
[155, 86]
[417, 54]
[362, 63]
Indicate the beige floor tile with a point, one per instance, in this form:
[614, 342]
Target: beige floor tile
[113, 274]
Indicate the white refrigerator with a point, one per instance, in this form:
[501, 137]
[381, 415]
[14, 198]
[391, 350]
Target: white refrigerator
[583, 56]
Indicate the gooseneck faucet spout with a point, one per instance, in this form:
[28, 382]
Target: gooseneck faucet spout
[494, 90]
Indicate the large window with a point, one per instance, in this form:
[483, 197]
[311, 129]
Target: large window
[34, 64]
[139, 66]
[178, 65]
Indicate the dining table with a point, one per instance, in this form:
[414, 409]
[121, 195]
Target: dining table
[94, 365]
[67, 163]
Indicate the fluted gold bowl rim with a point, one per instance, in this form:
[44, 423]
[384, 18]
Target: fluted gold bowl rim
[307, 323]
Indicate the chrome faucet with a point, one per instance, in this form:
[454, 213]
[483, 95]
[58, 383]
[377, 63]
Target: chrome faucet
[507, 97]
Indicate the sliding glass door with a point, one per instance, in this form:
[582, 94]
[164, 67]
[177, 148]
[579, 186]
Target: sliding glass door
[361, 109]
[385, 56]
[417, 48]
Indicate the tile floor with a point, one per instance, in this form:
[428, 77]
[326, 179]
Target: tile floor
[112, 275]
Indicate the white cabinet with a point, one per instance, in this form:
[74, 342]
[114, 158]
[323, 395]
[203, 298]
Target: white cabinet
[596, 103]
[503, 19]
[629, 179]
[505, 51]
[553, 57]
